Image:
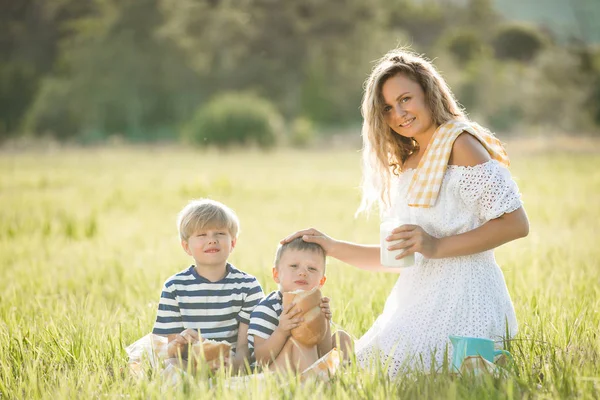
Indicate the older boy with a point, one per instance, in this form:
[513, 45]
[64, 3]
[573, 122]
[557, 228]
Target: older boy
[298, 265]
[211, 296]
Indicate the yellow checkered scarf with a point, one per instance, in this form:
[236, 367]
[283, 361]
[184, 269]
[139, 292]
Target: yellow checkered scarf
[427, 180]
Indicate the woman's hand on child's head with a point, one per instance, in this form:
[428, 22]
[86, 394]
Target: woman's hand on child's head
[415, 239]
[326, 307]
[288, 319]
[312, 235]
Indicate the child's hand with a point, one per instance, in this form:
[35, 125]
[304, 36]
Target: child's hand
[190, 336]
[178, 346]
[287, 322]
[326, 307]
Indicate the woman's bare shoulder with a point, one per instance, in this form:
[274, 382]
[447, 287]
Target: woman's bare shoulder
[467, 151]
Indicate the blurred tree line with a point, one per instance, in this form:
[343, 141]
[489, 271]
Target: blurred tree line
[159, 69]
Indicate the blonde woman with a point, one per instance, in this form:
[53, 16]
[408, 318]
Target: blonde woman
[424, 161]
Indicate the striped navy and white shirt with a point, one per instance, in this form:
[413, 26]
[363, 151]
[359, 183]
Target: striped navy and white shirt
[265, 318]
[189, 300]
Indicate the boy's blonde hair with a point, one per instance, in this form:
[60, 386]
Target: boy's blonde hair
[384, 151]
[299, 244]
[205, 213]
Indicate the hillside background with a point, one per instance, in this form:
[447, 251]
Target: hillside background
[157, 70]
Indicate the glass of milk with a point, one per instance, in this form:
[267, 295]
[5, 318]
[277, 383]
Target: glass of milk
[388, 257]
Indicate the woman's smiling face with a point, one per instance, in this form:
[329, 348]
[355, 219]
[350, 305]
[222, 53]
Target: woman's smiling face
[405, 109]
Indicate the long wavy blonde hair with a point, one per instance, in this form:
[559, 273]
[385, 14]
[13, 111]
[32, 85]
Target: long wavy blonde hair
[384, 151]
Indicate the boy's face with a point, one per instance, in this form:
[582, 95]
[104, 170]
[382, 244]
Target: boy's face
[210, 246]
[299, 269]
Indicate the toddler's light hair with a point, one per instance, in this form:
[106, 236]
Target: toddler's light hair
[205, 213]
[299, 244]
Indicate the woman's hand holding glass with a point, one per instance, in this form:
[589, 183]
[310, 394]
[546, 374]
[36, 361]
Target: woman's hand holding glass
[414, 240]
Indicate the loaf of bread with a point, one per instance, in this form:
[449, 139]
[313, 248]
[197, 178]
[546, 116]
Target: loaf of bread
[314, 327]
[211, 350]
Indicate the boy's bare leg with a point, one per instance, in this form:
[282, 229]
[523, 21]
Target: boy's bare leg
[284, 358]
[344, 343]
[340, 340]
[294, 356]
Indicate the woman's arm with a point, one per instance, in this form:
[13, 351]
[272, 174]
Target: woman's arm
[361, 256]
[467, 151]
[488, 236]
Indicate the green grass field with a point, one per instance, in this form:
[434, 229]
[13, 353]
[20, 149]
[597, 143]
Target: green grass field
[88, 236]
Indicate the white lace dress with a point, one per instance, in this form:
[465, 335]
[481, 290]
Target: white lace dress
[464, 296]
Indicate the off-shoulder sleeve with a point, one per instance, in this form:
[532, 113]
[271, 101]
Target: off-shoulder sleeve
[489, 189]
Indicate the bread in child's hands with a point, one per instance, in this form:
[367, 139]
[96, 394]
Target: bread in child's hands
[211, 350]
[314, 327]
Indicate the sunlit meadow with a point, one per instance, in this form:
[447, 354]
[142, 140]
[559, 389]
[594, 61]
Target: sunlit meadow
[88, 236]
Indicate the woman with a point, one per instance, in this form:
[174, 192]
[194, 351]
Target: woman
[424, 161]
